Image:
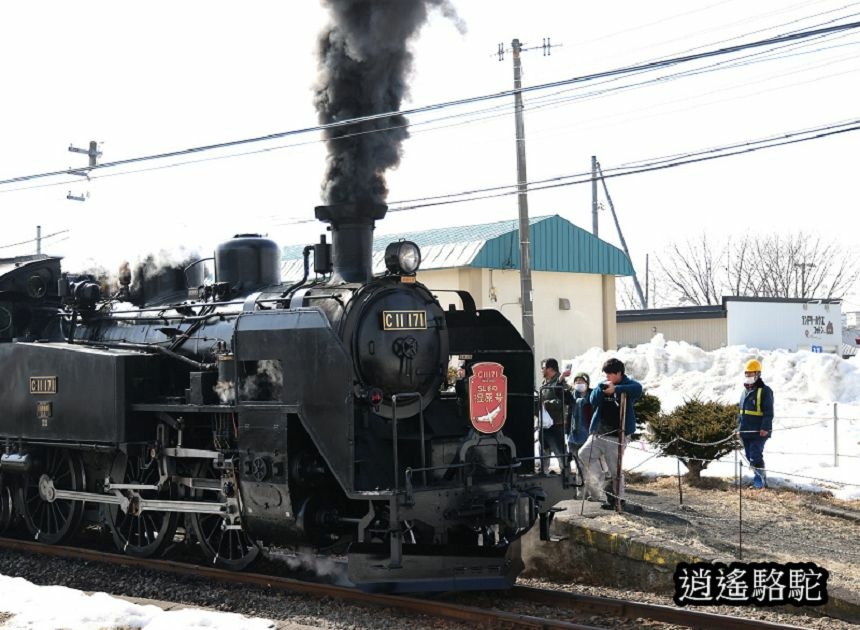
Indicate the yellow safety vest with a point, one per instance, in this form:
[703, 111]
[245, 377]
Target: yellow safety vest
[758, 411]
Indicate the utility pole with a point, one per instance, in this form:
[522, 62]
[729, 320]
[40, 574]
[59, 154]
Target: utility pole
[646, 281]
[522, 189]
[523, 201]
[93, 153]
[803, 267]
[594, 195]
[595, 163]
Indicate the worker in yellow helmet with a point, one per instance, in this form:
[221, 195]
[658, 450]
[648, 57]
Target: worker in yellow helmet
[755, 420]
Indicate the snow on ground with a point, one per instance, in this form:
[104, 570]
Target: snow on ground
[49, 607]
[805, 386]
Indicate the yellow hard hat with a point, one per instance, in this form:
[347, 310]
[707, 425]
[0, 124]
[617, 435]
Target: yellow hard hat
[753, 365]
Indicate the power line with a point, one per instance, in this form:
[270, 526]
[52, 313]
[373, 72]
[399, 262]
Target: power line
[768, 55]
[464, 101]
[33, 240]
[502, 110]
[628, 168]
[747, 20]
[639, 163]
[690, 158]
[474, 116]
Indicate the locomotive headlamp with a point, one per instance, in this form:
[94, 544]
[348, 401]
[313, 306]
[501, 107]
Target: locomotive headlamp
[402, 257]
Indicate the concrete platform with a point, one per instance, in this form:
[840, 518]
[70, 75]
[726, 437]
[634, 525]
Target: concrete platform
[601, 547]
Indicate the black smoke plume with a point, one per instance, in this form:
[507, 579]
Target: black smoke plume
[365, 64]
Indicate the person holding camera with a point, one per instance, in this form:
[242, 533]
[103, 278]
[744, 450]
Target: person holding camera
[614, 421]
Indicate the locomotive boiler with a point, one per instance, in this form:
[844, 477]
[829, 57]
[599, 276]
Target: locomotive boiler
[244, 412]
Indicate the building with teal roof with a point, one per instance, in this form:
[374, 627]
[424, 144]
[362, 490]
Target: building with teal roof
[573, 276]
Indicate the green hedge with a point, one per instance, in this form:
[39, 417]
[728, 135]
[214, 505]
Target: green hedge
[695, 421]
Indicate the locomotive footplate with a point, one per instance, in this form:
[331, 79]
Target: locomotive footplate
[426, 568]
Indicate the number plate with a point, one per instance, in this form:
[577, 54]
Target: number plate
[43, 385]
[404, 320]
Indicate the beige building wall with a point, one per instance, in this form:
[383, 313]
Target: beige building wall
[561, 333]
[707, 334]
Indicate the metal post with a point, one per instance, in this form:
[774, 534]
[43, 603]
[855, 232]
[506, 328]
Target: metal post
[835, 436]
[522, 198]
[680, 490]
[594, 195]
[618, 471]
[646, 281]
[395, 560]
[93, 153]
[394, 443]
[740, 478]
[421, 434]
[541, 430]
[594, 164]
[38, 239]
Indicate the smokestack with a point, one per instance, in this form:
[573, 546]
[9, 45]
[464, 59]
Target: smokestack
[364, 66]
[352, 238]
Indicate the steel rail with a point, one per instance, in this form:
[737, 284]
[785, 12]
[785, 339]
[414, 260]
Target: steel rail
[431, 608]
[615, 608]
[629, 609]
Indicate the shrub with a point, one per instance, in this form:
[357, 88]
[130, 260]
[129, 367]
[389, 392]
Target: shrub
[647, 408]
[695, 421]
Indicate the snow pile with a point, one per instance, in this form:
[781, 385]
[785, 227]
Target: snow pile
[676, 371]
[806, 385]
[70, 608]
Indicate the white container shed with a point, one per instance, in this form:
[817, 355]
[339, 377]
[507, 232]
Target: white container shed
[793, 325]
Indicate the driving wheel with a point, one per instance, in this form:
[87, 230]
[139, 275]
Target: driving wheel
[139, 533]
[48, 518]
[225, 548]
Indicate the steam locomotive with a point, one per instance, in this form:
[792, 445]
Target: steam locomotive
[243, 411]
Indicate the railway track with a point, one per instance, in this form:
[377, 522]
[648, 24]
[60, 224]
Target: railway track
[472, 615]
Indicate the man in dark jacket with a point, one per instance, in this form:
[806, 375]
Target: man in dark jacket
[755, 420]
[604, 445]
[556, 404]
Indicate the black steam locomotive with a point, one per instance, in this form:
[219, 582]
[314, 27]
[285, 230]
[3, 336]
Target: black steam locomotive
[247, 411]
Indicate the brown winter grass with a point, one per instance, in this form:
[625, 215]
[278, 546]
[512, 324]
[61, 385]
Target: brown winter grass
[782, 494]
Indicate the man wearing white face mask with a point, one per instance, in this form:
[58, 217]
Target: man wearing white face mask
[755, 420]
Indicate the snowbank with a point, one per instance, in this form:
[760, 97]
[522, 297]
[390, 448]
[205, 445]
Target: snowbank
[70, 608]
[806, 385]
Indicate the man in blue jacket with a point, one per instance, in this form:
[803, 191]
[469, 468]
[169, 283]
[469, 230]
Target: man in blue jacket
[604, 445]
[755, 420]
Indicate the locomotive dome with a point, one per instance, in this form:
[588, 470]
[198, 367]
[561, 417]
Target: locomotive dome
[248, 262]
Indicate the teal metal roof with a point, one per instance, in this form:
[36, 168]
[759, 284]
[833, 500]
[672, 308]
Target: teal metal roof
[459, 234]
[557, 245]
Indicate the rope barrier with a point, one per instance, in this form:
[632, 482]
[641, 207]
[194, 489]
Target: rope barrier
[725, 439]
[759, 521]
[659, 453]
[833, 481]
[764, 522]
[793, 474]
[770, 452]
